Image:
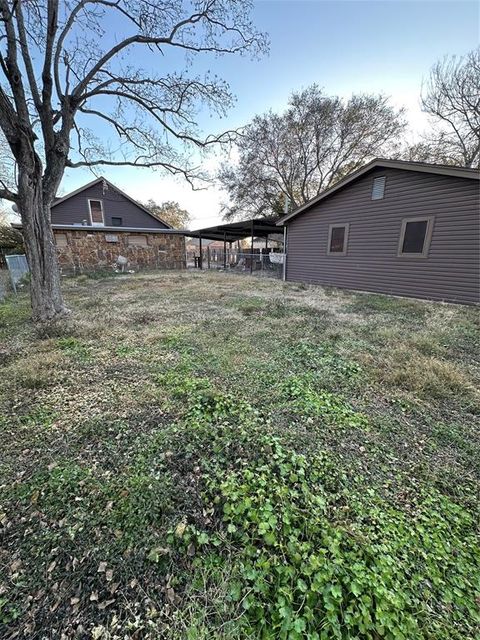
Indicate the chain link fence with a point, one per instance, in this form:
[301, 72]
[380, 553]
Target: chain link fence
[18, 268]
[266, 263]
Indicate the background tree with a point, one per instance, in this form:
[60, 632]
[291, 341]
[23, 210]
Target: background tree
[451, 98]
[61, 66]
[170, 212]
[299, 153]
[11, 240]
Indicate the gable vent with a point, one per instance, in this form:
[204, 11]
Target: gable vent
[378, 188]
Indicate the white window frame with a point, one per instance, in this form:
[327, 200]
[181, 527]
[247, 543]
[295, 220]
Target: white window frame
[382, 197]
[92, 223]
[346, 226]
[426, 242]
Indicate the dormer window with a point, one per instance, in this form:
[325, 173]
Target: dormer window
[378, 188]
[96, 213]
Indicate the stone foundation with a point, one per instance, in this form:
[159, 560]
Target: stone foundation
[87, 250]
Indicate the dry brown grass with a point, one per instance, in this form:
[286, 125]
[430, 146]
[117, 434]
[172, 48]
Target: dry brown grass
[93, 398]
[424, 375]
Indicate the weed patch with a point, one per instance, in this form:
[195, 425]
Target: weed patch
[74, 348]
[196, 456]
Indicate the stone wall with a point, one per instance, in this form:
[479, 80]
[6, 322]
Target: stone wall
[86, 250]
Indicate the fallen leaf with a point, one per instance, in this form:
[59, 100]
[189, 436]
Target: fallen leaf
[102, 567]
[97, 632]
[114, 587]
[54, 606]
[109, 574]
[180, 529]
[51, 566]
[15, 565]
[157, 552]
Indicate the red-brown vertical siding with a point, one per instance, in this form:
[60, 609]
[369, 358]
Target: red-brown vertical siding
[450, 272]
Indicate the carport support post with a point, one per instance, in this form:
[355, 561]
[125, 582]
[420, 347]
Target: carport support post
[200, 262]
[251, 251]
[224, 249]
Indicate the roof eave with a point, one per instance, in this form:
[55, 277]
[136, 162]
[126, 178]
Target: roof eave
[459, 172]
[90, 228]
[125, 195]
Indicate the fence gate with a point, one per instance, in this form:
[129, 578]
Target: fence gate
[18, 267]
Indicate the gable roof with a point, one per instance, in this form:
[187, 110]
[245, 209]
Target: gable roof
[423, 167]
[125, 195]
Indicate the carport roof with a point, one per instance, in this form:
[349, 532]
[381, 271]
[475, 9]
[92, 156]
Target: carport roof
[259, 227]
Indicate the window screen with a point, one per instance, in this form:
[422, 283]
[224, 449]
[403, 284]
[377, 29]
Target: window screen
[378, 188]
[138, 241]
[116, 222]
[337, 240]
[414, 236]
[96, 211]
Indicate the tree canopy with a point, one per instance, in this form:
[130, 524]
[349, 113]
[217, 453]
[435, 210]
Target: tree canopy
[451, 98]
[170, 212]
[297, 154]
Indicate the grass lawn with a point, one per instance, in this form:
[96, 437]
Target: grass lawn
[197, 456]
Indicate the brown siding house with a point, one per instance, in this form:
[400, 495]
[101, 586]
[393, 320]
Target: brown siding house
[402, 228]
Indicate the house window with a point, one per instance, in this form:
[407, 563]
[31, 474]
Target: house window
[61, 240]
[137, 241]
[415, 237]
[378, 188]
[338, 239]
[117, 222]
[96, 213]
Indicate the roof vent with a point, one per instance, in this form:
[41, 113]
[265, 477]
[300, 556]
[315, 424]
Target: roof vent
[378, 188]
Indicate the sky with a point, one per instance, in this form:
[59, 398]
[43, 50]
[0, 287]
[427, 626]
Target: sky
[345, 46]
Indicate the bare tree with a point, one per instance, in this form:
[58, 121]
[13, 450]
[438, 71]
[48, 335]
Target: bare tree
[299, 153]
[62, 65]
[451, 97]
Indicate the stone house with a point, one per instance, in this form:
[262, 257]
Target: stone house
[99, 227]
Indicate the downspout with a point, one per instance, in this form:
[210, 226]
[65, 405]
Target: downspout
[285, 239]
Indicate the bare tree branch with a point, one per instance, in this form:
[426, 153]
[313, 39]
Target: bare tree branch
[297, 154]
[62, 65]
[451, 97]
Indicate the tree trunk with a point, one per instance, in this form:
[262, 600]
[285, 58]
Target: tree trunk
[45, 290]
